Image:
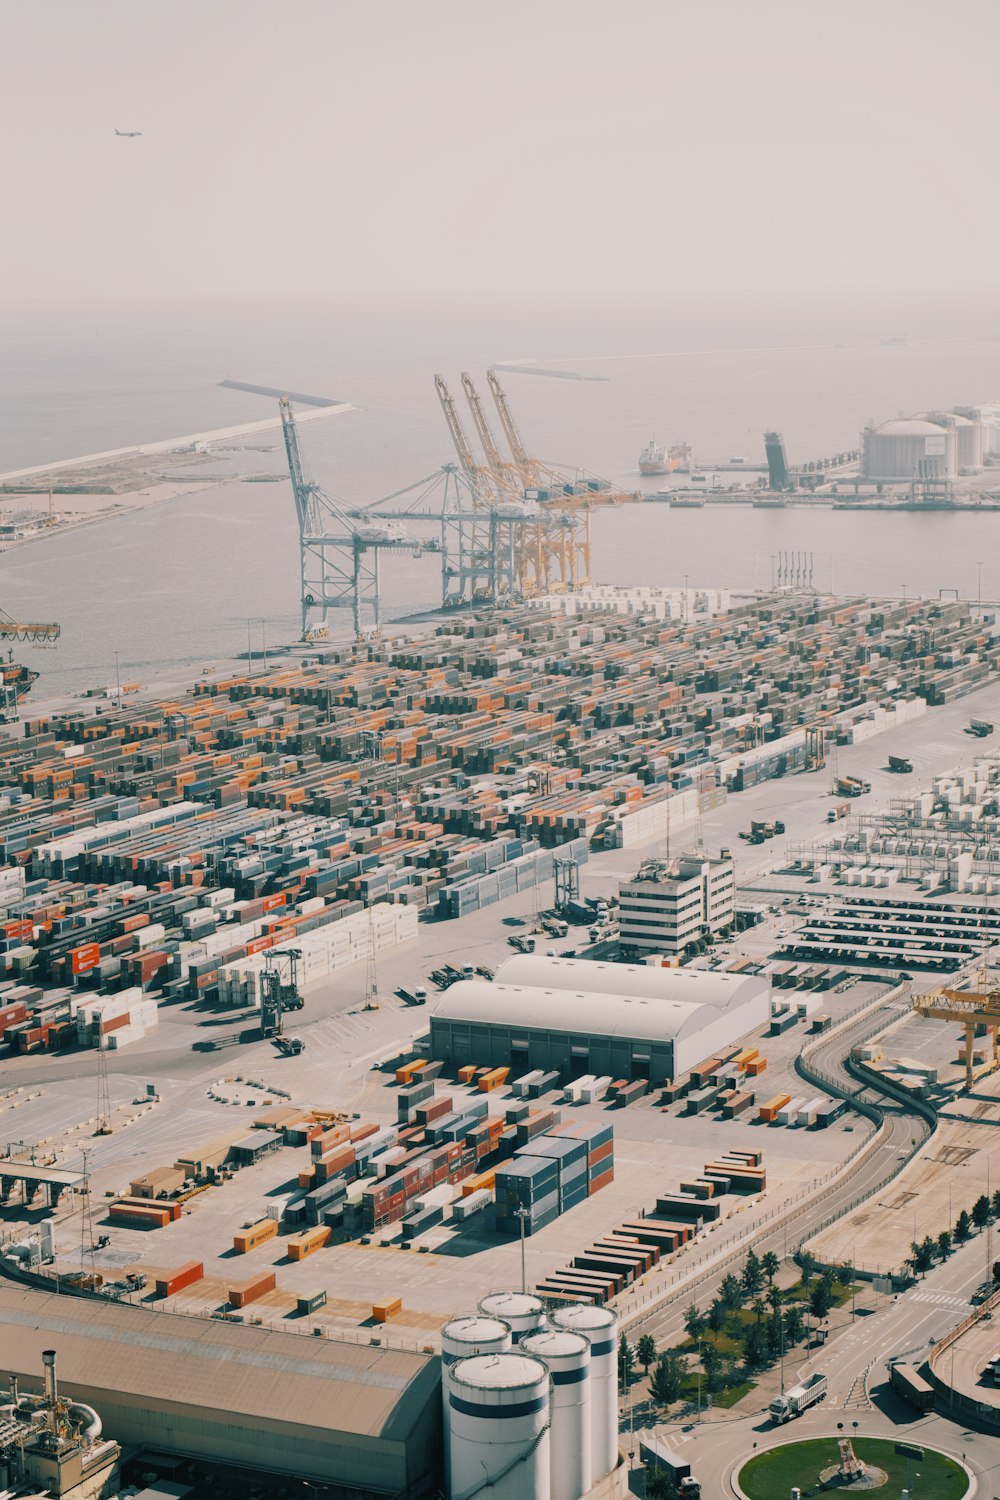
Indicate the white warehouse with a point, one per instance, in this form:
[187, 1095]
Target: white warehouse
[576, 1017]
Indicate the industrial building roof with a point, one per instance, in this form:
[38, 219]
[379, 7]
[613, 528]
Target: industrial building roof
[357, 1389]
[642, 981]
[581, 1012]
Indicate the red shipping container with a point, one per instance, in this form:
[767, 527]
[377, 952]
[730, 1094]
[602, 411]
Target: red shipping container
[184, 1276]
[272, 902]
[596, 1183]
[259, 945]
[88, 956]
[130, 924]
[249, 1291]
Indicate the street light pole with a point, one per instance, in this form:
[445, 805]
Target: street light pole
[522, 1214]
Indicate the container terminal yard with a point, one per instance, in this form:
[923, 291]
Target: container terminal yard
[318, 1035]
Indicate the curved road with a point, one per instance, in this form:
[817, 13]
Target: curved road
[903, 1134]
[856, 1365]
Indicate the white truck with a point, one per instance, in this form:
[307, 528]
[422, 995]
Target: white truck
[799, 1399]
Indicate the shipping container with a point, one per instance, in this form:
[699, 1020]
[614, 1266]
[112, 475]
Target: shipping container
[243, 1293]
[298, 1246]
[257, 1234]
[174, 1281]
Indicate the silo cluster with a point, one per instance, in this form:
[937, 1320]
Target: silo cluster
[530, 1400]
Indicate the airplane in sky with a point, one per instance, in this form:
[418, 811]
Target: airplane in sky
[128, 134]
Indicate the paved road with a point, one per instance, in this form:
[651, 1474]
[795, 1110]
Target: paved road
[907, 1326]
[905, 1134]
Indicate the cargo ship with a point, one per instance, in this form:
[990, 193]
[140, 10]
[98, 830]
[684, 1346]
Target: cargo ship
[16, 681]
[656, 459]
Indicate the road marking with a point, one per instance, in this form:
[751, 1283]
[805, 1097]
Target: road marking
[940, 1299]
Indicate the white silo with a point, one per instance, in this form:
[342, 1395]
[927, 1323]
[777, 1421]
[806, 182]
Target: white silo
[600, 1326]
[498, 1410]
[895, 451]
[524, 1312]
[460, 1339]
[567, 1356]
[968, 437]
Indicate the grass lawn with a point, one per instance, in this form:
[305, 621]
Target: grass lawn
[735, 1393]
[772, 1474]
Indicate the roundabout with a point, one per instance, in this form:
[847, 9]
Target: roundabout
[831, 1465]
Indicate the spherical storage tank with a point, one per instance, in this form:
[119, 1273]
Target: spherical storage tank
[895, 450]
[523, 1312]
[498, 1410]
[460, 1339]
[600, 1327]
[567, 1356]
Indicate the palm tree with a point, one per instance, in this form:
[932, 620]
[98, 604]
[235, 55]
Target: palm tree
[774, 1299]
[770, 1265]
[759, 1308]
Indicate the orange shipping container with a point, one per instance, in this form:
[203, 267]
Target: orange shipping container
[769, 1111]
[383, 1311]
[87, 956]
[257, 1234]
[301, 1245]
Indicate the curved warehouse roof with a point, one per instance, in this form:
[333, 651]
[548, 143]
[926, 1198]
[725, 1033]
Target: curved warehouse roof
[642, 981]
[581, 1013]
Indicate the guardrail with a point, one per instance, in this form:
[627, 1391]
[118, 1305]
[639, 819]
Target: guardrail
[632, 1306]
[978, 1413]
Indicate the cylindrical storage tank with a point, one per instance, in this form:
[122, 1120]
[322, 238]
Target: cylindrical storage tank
[522, 1311]
[600, 1326]
[895, 450]
[498, 1420]
[460, 1339]
[567, 1356]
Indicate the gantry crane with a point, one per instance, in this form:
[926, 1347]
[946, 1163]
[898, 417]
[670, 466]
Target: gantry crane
[971, 1009]
[339, 552]
[565, 498]
[16, 630]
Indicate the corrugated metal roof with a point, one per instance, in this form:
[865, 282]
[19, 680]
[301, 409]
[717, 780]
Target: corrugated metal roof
[357, 1389]
[646, 981]
[477, 1000]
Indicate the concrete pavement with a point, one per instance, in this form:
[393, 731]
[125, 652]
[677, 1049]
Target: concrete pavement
[905, 1326]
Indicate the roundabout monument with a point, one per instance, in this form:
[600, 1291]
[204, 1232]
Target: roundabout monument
[848, 1466]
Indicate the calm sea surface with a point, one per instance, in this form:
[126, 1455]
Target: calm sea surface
[177, 583]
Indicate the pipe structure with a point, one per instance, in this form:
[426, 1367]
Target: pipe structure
[51, 1389]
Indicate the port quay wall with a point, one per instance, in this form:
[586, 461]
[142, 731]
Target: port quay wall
[634, 1307]
[956, 1404]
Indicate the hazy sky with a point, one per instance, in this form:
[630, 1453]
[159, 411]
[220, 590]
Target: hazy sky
[506, 146]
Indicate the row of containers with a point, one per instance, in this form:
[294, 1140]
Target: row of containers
[530, 1399]
[522, 873]
[625, 1254]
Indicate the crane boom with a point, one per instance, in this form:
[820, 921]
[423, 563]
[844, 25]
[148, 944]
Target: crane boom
[18, 630]
[486, 437]
[508, 424]
[458, 437]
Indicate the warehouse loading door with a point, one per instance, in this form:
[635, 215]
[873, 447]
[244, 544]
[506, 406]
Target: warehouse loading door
[518, 1058]
[579, 1062]
[640, 1065]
